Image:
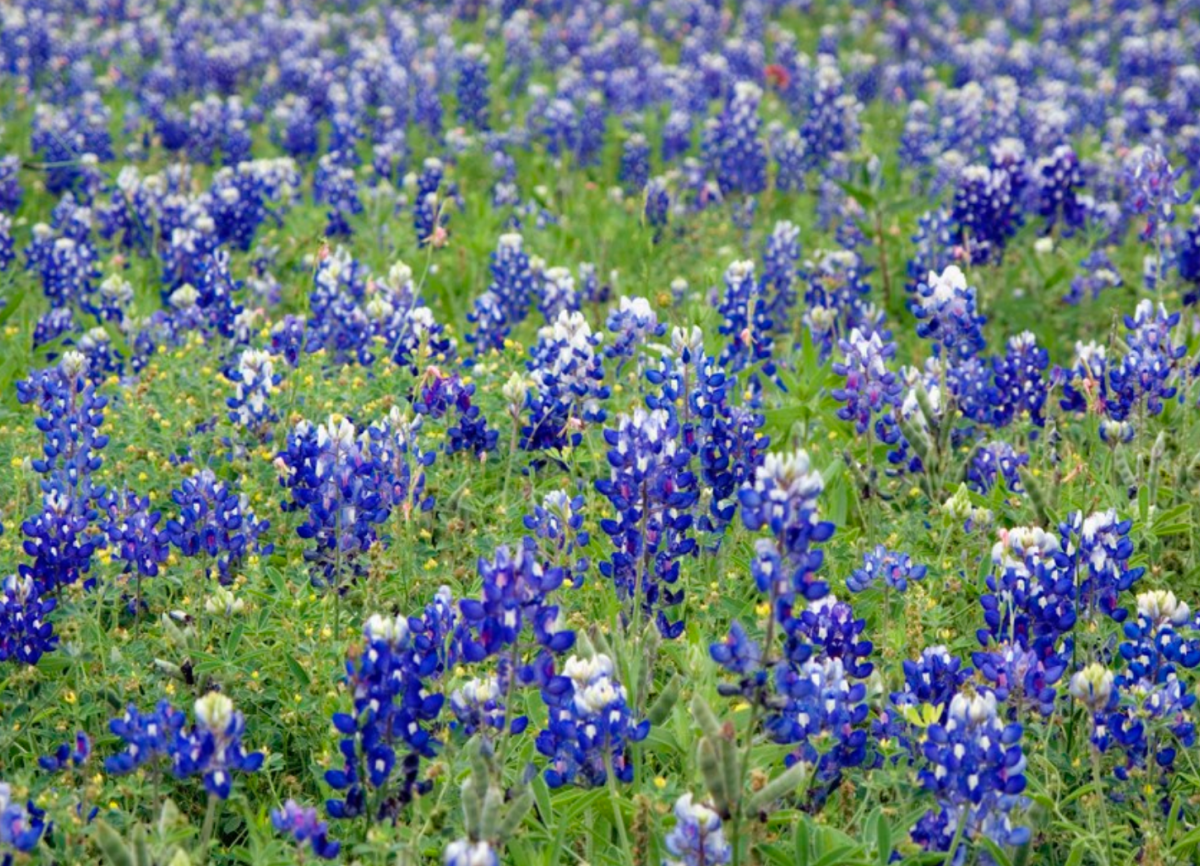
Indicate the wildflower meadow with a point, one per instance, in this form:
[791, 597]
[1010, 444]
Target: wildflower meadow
[582, 433]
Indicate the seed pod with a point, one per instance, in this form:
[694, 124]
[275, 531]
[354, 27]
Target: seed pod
[925, 404]
[664, 703]
[706, 718]
[714, 779]
[115, 851]
[472, 808]
[783, 784]
[489, 821]
[517, 810]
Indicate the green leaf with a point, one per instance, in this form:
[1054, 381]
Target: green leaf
[802, 842]
[860, 195]
[235, 638]
[883, 840]
[1077, 852]
[999, 855]
[298, 672]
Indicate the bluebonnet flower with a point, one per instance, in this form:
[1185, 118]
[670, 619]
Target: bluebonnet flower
[61, 539]
[821, 705]
[301, 824]
[213, 747]
[1096, 273]
[472, 87]
[567, 374]
[634, 172]
[133, 533]
[653, 492]
[933, 679]
[1100, 546]
[1151, 183]
[836, 300]
[295, 128]
[742, 166]
[216, 521]
[946, 307]
[589, 727]
[21, 827]
[67, 269]
[697, 838]
[256, 380]
[1093, 686]
[830, 127]
[676, 135]
[781, 255]
[746, 324]
[240, 198]
[288, 339]
[463, 852]
[917, 145]
[507, 299]
[25, 636]
[70, 426]
[657, 207]
[478, 704]
[7, 254]
[593, 122]
[984, 215]
[10, 184]
[975, 763]
[516, 594]
[558, 534]
[1147, 373]
[787, 149]
[634, 323]
[894, 569]
[103, 360]
[558, 292]
[994, 460]
[727, 440]
[335, 185]
[1187, 257]
[782, 497]
[1023, 679]
[1031, 597]
[429, 205]
[1059, 178]
[1018, 381]
[68, 755]
[332, 476]
[400, 462]
[438, 395]
[392, 713]
[935, 249]
[871, 388]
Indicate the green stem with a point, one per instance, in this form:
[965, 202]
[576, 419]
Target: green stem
[959, 832]
[210, 819]
[1098, 780]
[615, 798]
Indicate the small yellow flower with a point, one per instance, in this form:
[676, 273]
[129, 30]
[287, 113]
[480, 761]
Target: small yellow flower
[70, 697]
[660, 782]
[763, 609]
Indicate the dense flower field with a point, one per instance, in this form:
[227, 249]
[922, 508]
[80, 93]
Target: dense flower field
[554, 432]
